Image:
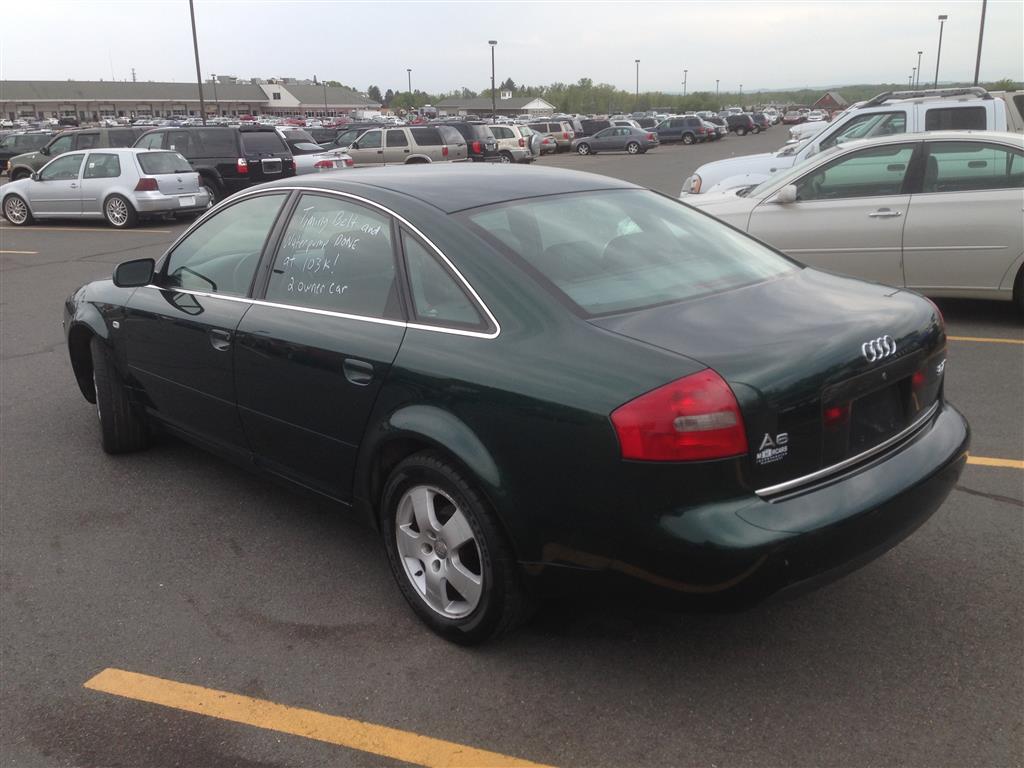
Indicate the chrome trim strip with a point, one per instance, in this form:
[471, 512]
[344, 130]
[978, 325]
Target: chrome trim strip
[338, 193]
[774, 490]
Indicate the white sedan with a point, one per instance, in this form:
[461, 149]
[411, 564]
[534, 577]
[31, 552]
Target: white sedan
[939, 212]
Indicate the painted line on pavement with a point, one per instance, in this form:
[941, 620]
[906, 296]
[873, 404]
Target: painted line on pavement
[985, 461]
[332, 729]
[25, 253]
[104, 230]
[983, 340]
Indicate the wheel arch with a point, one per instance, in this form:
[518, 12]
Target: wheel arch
[413, 159]
[79, 339]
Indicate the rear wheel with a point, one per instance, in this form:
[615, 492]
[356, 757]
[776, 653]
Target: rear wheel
[505, 157]
[741, 131]
[687, 138]
[447, 553]
[121, 428]
[633, 148]
[119, 212]
[16, 211]
[756, 129]
[583, 149]
[1018, 291]
[205, 182]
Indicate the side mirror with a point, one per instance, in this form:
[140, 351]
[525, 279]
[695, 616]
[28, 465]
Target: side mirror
[44, 150]
[134, 274]
[34, 176]
[354, 145]
[786, 195]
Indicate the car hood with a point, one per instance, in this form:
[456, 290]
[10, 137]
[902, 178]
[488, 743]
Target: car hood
[14, 186]
[26, 158]
[765, 163]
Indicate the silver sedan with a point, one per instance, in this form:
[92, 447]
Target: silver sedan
[120, 185]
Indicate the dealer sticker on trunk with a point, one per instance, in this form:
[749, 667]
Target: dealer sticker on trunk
[773, 450]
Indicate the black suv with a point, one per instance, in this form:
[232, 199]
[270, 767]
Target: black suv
[741, 124]
[481, 146]
[227, 159]
[590, 127]
[18, 143]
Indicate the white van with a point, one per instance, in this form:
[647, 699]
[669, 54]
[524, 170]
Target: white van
[886, 114]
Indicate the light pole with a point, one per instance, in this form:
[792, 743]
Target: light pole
[685, 71]
[938, 53]
[741, 94]
[636, 98]
[494, 107]
[913, 76]
[910, 80]
[716, 95]
[408, 73]
[981, 35]
[324, 84]
[917, 79]
[199, 76]
[216, 101]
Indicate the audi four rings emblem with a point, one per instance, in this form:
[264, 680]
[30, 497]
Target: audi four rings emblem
[878, 349]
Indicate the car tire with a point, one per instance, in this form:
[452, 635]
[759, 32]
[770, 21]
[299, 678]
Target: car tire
[505, 157]
[16, 211]
[205, 182]
[583, 149]
[119, 212]
[688, 138]
[1018, 291]
[122, 430]
[20, 174]
[756, 129]
[424, 494]
[633, 148]
[741, 131]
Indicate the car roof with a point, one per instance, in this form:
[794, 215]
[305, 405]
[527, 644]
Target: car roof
[1005, 137]
[458, 186]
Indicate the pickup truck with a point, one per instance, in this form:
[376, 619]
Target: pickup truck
[886, 114]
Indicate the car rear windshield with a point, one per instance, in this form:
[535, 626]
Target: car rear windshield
[427, 137]
[155, 163]
[622, 250]
[262, 142]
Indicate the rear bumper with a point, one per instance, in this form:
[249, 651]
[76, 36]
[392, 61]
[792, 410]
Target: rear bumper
[155, 202]
[735, 553]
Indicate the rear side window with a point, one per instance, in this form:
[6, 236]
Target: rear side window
[955, 119]
[397, 139]
[436, 296]
[87, 140]
[122, 138]
[963, 166]
[622, 250]
[151, 141]
[155, 163]
[221, 254]
[336, 255]
[102, 165]
[427, 137]
[262, 142]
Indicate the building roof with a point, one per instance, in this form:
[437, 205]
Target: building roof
[339, 97]
[836, 98]
[484, 102]
[102, 90]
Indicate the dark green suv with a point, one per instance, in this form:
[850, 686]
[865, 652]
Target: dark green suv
[23, 166]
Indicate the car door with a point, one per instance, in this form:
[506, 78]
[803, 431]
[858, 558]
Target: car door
[311, 357]
[57, 192]
[181, 330]
[367, 149]
[396, 148]
[98, 178]
[848, 216]
[965, 227]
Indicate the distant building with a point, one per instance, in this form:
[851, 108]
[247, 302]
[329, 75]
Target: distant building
[93, 100]
[506, 105]
[831, 101]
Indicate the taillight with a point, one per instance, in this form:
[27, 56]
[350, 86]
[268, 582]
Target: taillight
[565, 134]
[836, 415]
[242, 166]
[349, 162]
[444, 151]
[323, 164]
[650, 137]
[522, 142]
[146, 185]
[691, 419]
[476, 148]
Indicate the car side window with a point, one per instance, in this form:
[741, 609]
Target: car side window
[396, 138]
[87, 140]
[436, 296]
[370, 140]
[222, 253]
[867, 173]
[964, 166]
[956, 119]
[64, 168]
[336, 255]
[61, 145]
[102, 165]
[151, 141]
[866, 126]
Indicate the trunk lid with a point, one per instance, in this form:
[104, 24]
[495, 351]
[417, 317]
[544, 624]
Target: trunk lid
[823, 367]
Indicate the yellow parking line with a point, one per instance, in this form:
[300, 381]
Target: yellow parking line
[985, 461]
[26, 253]
[342, 731]
[984, 340]
[139, 231]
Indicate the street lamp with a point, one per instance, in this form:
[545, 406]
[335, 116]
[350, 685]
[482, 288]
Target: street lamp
[324, 84]
[685, 71]
[199, 75]
[981, 35]
[938, 53]
[216, 101]
[716, 95]
[910, 80]
[637, 95]
[494, 107]
[408, 73]
[917, 80]
[913, 75]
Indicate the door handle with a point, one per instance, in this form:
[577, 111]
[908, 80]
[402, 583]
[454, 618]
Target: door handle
[380, 151]
[884, 213]
[74, 186]
[358, 372]
[406, 151]
[220, 339]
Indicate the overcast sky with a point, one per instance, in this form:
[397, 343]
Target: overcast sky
[759, 44]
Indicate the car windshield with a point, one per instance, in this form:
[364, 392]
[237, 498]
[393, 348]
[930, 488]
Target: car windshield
[163, 162]
[623, 250]
[305, 147]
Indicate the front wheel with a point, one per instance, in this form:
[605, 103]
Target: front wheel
[119, 213]
[633, 148]
[121, 428]
[583, 149]
[447, 553]
[687, 138]
[16, 211]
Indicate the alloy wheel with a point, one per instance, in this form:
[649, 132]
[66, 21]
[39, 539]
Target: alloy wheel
[633, 148]
[15, 210]
[117, 211]
[583, 149]
[439, 551]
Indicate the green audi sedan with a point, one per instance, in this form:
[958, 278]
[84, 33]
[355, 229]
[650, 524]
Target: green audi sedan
[534, 382]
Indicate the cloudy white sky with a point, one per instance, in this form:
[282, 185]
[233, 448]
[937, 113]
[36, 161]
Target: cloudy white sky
[756, 43]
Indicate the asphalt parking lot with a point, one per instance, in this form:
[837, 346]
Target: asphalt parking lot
[227, 595]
